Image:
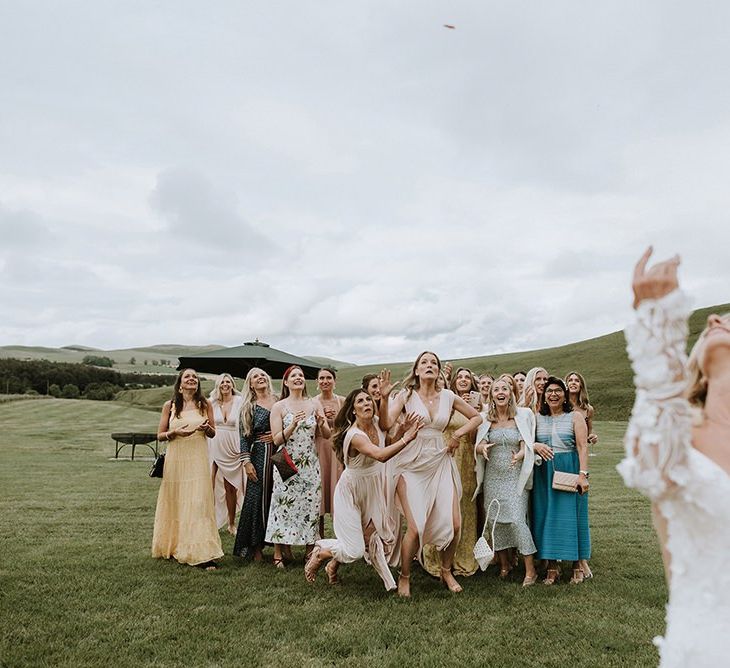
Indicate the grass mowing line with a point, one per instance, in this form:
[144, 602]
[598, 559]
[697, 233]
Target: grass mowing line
[78, 586]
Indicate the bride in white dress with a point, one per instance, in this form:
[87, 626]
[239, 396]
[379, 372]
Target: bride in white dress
[678, 454]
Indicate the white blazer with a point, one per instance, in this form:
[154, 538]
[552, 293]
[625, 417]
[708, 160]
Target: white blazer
[525, 421]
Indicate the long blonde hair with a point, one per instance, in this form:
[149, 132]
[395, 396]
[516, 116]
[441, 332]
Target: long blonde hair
[696, 389]
[215, 395]
[530, 382]
[491, 407]
[249, 400]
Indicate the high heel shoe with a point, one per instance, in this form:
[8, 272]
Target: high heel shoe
[529, 581]
[404, 592]
[454, 587]
[578, 576]
[553, 574]
[279, 563]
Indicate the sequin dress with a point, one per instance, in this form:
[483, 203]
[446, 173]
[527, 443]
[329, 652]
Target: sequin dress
[255, 512]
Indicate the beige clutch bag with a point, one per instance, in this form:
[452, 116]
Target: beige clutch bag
[565, 482]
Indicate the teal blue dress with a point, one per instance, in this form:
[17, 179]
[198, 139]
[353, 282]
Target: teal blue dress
[559, 519]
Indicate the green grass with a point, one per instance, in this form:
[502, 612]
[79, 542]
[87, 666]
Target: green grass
[78, 587]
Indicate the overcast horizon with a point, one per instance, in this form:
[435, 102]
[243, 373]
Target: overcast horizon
[355, 180]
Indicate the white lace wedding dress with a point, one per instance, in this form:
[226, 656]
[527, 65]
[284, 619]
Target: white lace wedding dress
[689, 490]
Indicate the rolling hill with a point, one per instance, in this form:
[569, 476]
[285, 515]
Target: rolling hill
[602, 360]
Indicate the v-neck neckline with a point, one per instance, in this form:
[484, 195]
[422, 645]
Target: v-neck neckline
[431, 418]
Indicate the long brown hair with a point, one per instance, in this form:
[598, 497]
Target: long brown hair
[201, 403]
[582, 401]
[344, 419]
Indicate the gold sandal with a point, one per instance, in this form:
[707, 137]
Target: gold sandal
[553, 574]
[312, 565]
[578, 576]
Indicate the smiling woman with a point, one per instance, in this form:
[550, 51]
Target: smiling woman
[185, 526]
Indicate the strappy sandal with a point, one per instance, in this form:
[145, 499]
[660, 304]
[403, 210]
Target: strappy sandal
[529, 581]
[332, 576]
[279, 563]
[407, 580]
[504, 573]
[454, 588]
[578, 576]
[312, 565]
[553, 574]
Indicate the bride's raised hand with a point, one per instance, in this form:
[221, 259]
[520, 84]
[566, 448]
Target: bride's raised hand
[654, 282]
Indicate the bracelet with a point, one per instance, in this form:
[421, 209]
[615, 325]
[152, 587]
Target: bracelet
[585, 473]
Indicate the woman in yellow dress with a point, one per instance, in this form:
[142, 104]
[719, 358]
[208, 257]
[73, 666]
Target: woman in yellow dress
[185, 526]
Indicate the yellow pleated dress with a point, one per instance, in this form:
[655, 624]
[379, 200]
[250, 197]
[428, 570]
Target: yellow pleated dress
[464, 562]
[185, 526]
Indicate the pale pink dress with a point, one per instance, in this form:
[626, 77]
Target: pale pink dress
[224, 449]
[430, 474]
[359, 500]
[329, 467]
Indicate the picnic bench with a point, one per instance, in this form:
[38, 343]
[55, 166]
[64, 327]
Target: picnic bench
[134, 438]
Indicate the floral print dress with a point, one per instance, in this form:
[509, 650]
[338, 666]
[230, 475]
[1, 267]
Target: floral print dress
[294, 512]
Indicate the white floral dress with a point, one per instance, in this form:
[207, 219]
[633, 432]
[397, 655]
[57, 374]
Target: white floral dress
[687, 488]
[294, 513]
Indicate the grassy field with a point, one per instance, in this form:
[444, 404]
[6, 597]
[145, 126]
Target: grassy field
[78, 587]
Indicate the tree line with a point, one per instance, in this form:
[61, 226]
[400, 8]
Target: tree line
[71, 381]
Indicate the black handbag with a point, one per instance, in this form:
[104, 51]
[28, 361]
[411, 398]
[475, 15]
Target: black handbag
[158, 468]
[284, 464]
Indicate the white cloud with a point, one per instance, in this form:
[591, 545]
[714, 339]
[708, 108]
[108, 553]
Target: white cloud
[353, 180]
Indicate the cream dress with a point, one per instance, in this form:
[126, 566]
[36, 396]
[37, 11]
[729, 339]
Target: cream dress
[430, 474]
[185, 527]
[359, 500]
[224, 449]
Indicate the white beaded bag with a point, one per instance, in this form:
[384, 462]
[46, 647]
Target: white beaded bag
[483, 553]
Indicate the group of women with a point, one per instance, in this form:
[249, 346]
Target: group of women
[449, 455]
[427, 454]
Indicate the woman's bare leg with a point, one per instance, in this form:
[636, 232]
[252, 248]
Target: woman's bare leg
[231, 497]
[447, 556]
[410, 543]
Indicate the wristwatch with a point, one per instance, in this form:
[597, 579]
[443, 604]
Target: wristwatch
[585, 473]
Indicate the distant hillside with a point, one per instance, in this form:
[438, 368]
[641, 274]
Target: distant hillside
[122, 357]
[327, 361]
[601, 360]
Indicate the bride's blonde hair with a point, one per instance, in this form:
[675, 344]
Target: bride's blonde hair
[696, 388]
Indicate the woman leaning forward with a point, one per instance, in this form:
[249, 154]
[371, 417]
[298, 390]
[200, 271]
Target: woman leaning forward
[361, 516]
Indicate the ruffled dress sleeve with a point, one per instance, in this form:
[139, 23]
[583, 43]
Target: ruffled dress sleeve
[658, 437]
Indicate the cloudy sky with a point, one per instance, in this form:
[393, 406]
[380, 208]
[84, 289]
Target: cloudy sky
[353, 179]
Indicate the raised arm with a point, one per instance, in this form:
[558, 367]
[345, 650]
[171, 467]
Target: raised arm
[388, 413]
[366, 447]
[658, 437]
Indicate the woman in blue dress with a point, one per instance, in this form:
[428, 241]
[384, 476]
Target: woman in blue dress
[560, 519]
